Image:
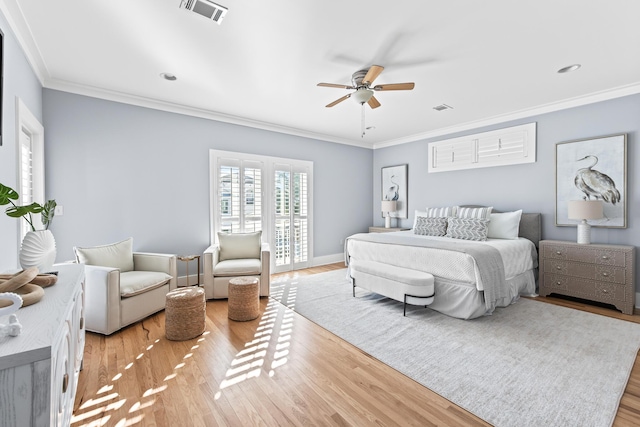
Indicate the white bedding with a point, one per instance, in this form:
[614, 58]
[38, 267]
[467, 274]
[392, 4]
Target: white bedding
[519, 256]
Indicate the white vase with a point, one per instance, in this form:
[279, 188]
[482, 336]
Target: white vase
[38, 250]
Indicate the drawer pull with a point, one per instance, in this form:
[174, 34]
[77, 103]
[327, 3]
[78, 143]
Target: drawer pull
[81, 323]
[605, 274]
[65, 383]
[558, 283]
[558, 267]
[605, 291]
[605, 257]
[558, 252]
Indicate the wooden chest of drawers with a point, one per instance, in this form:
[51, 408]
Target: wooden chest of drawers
[603, 273]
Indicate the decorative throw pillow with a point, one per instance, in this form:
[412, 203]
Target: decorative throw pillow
[430, 226]
[115, 255]
[441, 212]
[477, 213]
[239, 245]
[505, 225]
[435, 213]
[467, 228]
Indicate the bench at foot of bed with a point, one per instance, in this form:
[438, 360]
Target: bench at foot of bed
[401, 284]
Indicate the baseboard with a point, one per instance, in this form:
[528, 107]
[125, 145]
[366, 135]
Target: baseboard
[182, 280]
[327, 259]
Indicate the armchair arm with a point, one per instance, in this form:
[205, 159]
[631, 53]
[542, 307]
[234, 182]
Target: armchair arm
[210, 259]
[166, 263]
[102, 299]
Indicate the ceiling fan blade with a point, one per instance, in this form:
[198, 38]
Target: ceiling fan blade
[335, 85]
[337, 101]
[395, 86]
[371, 75]
[373, 102]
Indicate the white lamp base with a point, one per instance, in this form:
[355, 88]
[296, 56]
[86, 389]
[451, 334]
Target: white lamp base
[584, 233]
[387, 221]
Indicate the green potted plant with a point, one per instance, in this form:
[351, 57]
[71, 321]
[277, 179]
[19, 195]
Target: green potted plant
[38, 246]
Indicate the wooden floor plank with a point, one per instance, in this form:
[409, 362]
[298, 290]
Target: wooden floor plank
[280, 369]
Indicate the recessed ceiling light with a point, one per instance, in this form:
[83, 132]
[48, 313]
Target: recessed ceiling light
[569, 68]
[168, 76]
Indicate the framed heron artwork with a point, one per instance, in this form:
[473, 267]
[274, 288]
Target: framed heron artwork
[394, 187]
[593, 169]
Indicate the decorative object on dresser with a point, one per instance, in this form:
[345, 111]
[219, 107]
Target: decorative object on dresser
[602, 273]
[583, 210]
[388, 206]
[394, 187]
[27, 284]
[593, 169]
[39, 369]
[38, 246]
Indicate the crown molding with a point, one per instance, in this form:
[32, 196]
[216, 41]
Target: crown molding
[592, 98]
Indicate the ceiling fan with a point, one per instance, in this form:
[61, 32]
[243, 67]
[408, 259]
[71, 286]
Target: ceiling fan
[361, 82]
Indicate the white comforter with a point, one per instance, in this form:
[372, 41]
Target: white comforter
[518, 257]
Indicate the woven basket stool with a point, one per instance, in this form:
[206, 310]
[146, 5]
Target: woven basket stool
[185, 313]
[244, 298]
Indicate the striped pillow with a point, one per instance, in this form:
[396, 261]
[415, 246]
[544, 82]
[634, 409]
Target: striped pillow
[477, 213]
[430, 226]
[467, 228]
[441, 212]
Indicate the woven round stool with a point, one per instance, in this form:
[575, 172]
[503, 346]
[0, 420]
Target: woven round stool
[244, 298]
[185, 313]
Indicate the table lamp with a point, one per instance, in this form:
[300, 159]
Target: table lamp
[388, 206]
[584, 210]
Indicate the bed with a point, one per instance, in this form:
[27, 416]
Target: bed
[471, 278]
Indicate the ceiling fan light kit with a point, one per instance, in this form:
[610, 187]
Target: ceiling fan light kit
[361, 82]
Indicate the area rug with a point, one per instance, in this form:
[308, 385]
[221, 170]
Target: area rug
[529, 364]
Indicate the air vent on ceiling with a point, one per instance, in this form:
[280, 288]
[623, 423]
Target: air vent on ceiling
[206, 8]
[442, 107]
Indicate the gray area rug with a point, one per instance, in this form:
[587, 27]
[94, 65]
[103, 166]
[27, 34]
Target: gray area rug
[529, 364]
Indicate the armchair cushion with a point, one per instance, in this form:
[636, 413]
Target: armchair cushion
[116, 255]
[239, 245]
[137, 282]
[238, 267]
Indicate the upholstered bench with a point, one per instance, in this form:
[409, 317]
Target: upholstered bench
[401, 284]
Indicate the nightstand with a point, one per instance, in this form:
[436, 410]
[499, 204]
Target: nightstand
[603, 273]
[386, 230]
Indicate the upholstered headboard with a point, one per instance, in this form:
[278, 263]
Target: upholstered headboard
[530, 225]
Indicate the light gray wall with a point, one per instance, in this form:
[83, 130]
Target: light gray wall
[19, 82]
[531, 186]
[120, 170]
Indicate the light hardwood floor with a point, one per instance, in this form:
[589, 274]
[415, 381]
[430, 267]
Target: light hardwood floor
[277, 370]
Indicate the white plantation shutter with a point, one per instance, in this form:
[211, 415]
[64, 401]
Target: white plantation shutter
[239, 195]
[507, 146]
[252, 193]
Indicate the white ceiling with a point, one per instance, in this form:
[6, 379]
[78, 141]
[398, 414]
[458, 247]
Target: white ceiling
[490, 60]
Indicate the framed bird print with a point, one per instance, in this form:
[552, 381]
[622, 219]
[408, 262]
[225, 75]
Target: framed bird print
[394, 187]
[593, 169]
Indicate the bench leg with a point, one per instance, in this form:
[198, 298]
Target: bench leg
[404, 308]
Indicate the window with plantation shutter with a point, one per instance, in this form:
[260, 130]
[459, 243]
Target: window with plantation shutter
[271, 194]
[507, 146]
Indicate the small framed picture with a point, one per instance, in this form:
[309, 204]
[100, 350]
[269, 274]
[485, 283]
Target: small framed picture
[394, 187]
[593, 169]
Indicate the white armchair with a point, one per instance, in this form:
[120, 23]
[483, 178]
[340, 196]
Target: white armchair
[236, 255]
[122, 286]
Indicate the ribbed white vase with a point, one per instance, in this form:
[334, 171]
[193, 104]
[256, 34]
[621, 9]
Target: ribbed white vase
[38, 250]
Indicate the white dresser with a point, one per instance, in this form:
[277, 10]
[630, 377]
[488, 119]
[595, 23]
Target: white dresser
[39, 368]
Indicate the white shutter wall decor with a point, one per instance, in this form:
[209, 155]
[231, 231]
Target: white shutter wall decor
[508, 146]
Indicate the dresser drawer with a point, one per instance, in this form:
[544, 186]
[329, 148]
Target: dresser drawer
[586, 254]
[589, 289]
[598, 272]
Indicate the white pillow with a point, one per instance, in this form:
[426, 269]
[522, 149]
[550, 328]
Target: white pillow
[504, 225]
[115, 255]
[239, 245]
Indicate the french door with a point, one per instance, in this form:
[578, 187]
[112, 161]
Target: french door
[268, 194]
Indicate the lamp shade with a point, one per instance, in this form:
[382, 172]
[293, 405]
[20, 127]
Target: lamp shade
[388, 206]
[586, 209]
